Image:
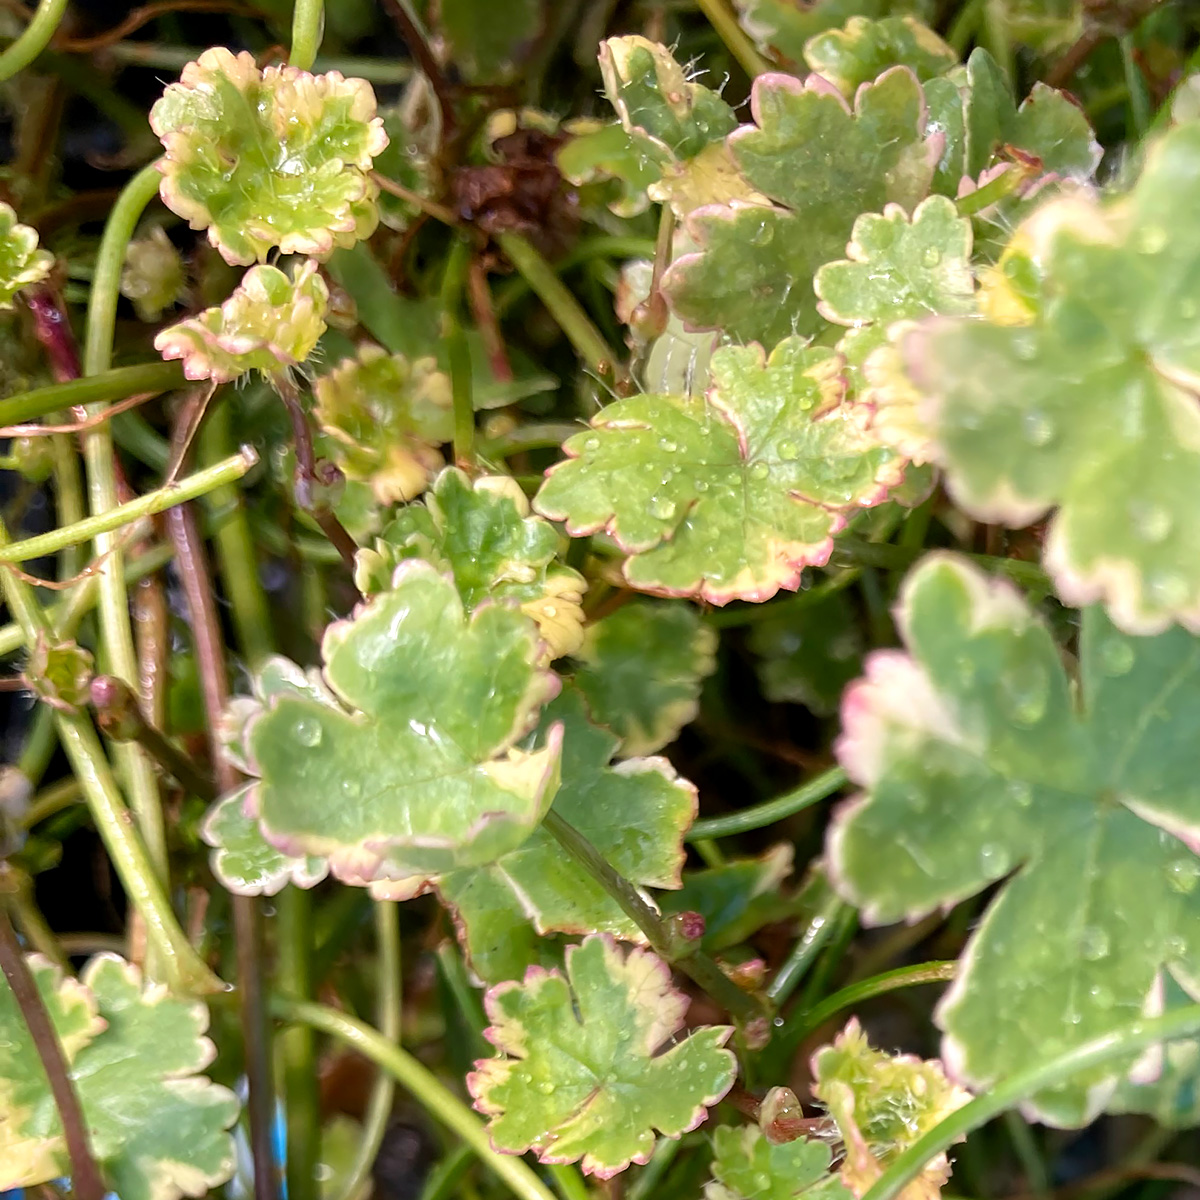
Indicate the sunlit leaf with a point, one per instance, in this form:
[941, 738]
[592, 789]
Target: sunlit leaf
[981, 762]
[408, 765]
[641, 669]
[580, 1073]
[729, 496]
[269, 158]
[823, 164]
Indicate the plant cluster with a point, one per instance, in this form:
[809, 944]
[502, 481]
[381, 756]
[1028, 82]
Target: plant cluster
[597, 472]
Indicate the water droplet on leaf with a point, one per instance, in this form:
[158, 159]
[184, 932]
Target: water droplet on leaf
[1020, 793]
[591, 443]
[1183, 874]
[1116, 656]
[667, 446]
[993, 859]
[1094, 943]
[308, 732]
[662, 508]
[759, 470]
[1152, 239]
[1102, 997]
[1151, 521]
[1038, 428]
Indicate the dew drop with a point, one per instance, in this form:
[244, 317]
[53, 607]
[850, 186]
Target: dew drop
[759, 470]
[787, 450]
[1038, 428]
[993, 859]
[1028, 692]
[546, 1088]
[763, 235]
[1116, 657]
[307, 731]
[1175, 946]
[1152, 521]
[1102, 997]
[667, 446]
[1152, 240]
[1183, 874]
[1024, 347]
[662, 508]
[1094, 943]
[932, 256]
[701, 485]
[591, 443]
[1020, 793]
[351, 789]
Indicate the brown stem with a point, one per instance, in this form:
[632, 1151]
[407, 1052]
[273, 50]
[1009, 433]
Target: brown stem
[86, 1183]
[191, 565]
[53, 329]
[484, 312]
[431, 208]
[418, 46]
[1123, 18]
[307, 479]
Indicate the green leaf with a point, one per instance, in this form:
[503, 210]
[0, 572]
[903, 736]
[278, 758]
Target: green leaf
[737, 898]
[482, 533]
[59, 673]
[1044, 25]
[385, 417]
[409, 765]
[748, 1167]
[1048, 125]
[485, 49]
[21, 262]
[785, 26]
[630, 162]
[865, 48]
[579, 1073]
[31, 1150]
[807, 657]
[635, 814]
[1089, 404]
[640, 670]
[899, 269]
[270, 324]
[823, 164]
[406, 160]
[731, 496]
[980, 762]
[883, 1104]
[653, 97]
[158, 1130]
[269, 158]
[244, 861]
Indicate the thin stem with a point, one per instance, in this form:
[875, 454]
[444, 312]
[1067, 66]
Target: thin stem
[308, 25]
[422, 1084]
[991, 193]
[144, 379]
[387, 1014]
[86, 1183]
[962, 30]
[808, 1021]
[115, 628]
[297, 1046]
[722, 19]
[444, 1179]
[605, 245]
[694, 963]
[418, 46]
[568, 1181]
[17, 887]
[431, 208]
[761, 815]
[1140, 104]
[588, 341]
[1126, 1041]
[1037, 1177]
[545, 435]
[192, 568]
[804, 953]
[157, 501]
[34, 38]
[458, 354]
[51, 800]
[181, 966]
[648, 1178]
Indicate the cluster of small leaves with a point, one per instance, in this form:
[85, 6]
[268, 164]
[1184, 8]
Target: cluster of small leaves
[153, 276]
[158, 1129]
[21, 262]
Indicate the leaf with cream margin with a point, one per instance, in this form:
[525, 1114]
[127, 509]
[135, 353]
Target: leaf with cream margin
[21, 262]
[729, 496]
[582, 1072]
[821, 163]
[979, 762]
[158, 1129]
[641, 668]
[407, 763]
[882, 1104]
[746, 1166]
[634, 812]
[1090, 405]
[481, 531]
[273, 158]
[864, 48]
[270, 323]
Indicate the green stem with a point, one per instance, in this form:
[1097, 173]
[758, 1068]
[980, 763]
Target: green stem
[308, 25]
[547, 435]
[588, 341]
[991, 193]
[159, 500]
[1024, 1144]
[34, 39]
[723, 20]
[568, 1181]
[760, 815]
[1124, 1042]
[422, 1084]
[180, 965]
[807, 1021]
[646, 1183]
[68, 498]
[118, 653]
[1140, 104]
[459, 355]
[51, 800]
[605, 245]
[963, 28]
[444, 1179]
[387, 1010]
[804, 953]
[694, 963]
[297, 1045]
[116, 384]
